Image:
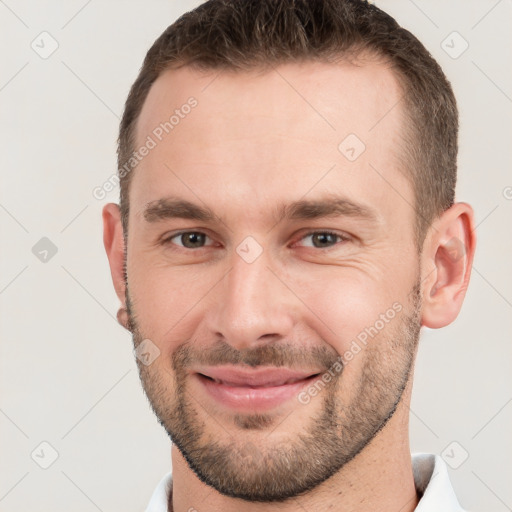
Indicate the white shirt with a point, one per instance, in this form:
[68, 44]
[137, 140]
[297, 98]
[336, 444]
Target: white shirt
[430, 478]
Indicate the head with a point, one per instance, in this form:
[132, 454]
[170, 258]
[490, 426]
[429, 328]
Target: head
[294, 207]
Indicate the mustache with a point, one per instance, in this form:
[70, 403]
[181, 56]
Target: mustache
[290, 355]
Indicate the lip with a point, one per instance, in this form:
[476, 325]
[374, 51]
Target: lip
[254, 389]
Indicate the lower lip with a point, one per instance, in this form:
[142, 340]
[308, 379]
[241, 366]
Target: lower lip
[239, 397]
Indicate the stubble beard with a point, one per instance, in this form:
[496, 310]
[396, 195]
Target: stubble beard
[251, 465]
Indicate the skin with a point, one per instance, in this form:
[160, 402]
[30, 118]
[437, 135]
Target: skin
[252, 144]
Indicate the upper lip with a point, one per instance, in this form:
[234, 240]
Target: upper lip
[263, 377]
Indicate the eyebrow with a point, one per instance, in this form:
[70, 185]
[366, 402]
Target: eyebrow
[332, 206]
[170, 208]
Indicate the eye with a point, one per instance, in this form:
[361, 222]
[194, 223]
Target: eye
[323, 239]
[198, 239]
[188, 239]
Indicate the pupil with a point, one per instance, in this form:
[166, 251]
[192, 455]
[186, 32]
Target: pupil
[192, 239]
[323, 238]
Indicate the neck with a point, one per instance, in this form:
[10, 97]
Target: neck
[378, 478]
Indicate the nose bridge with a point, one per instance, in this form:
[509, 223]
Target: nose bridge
[252, 304]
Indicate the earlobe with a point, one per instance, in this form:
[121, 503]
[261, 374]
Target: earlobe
[122, 318]
[446, 264]
[114, 243]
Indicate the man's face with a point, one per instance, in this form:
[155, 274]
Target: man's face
[270, 280]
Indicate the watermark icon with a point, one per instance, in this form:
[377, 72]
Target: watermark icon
[146, 352]
[454, 45]
[357, 344]
[351, 147]
[44, 455]
[249, 452]
[44, 250]
[249, 249]
[151, 142]
[455, 455]
[44, 45]
[507, 193]
[455, 249]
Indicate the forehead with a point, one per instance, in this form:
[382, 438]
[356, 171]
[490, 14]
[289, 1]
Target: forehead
[277, 131]
[337, 97]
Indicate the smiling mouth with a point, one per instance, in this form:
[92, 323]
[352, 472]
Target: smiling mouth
[243, 394]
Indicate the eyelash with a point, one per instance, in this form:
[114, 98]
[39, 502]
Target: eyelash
[342, 238]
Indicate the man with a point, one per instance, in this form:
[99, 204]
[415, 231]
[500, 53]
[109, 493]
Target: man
[287, 225]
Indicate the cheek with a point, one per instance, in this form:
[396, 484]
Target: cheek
[353, 312]
[345, 301]
[166, 300]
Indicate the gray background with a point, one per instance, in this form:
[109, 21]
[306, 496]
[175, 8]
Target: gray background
[68, 375]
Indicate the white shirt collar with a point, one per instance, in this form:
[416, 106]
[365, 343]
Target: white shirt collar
[432, 480]
[430, 477]
[160, 497]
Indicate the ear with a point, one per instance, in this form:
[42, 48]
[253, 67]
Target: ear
[447, 258]
[114, 243]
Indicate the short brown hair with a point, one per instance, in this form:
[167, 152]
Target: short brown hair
[247, 34]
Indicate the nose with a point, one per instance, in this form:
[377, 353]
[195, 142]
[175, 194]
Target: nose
[252, 305]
